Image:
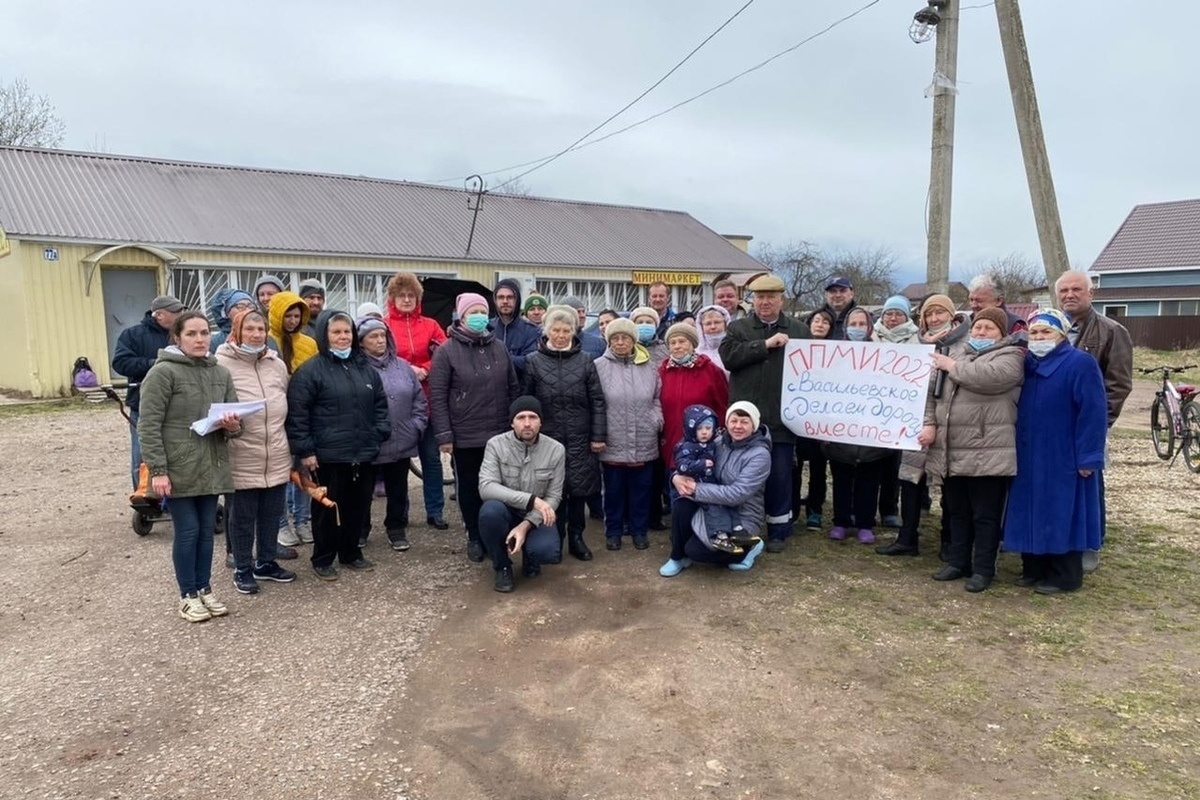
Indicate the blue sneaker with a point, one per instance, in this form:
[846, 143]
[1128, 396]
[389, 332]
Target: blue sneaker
[813, 523]
[674, 566]
[747, 562]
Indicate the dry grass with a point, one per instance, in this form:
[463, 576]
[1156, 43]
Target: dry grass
[1144, 358]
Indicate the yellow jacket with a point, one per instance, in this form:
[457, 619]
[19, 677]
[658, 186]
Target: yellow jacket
[303, 346]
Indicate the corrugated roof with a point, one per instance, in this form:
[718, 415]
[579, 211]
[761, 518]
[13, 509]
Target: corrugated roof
[106, 198]
[1147, 293]
[1154, 236]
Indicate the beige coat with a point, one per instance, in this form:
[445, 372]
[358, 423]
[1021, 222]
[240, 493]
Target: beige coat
[976, 416]
[260, 457]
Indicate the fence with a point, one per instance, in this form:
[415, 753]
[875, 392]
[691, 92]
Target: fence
[1163, 333]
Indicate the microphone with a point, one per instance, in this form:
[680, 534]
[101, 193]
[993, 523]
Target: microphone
[939, 383]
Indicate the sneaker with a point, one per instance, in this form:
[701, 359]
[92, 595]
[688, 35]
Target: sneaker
[210, 601]
[270, 571]
[287, 537]
[837, 533]
[193, 609]
[813, 523]
[674, 566]
[437, 523]
[748, 562]
[286, 553]
[776, 545]
[641, 541]
[362, 541]
[504, 580]
[399, 541]
[475, 551]
[304, 532]
[866, 536]
[360, 564]
[327, 573]
[243, 581]
[722, 543]
[892, 521]
[612, 543]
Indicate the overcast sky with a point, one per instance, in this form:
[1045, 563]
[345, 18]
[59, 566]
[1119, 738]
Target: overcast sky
[828, 144]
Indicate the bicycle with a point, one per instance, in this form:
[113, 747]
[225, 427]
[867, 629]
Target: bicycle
[1175, 415]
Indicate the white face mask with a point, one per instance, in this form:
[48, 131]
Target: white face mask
[1042, 347]
[250, 349]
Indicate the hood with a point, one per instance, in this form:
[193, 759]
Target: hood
[218, 307]
[173, 353]
[706, 341]
[321, 329]
[694, 415]
[280, 303]
[640, 355]
[263, 281]
[514, 284]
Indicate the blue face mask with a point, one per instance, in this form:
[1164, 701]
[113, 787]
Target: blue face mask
[979, 344]
[342, 354]
[1042, 347]
[251, 350]
[477, 323]
[645, 332]
[856, 334]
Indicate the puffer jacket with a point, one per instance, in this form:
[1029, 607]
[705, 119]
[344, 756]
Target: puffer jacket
[408, 410]
[260, 457]
[741, 477]
[693, 457]
[304, 346]
[137, 348]
[573, 410]
[337, 410]
[631, 389]
[177, 391]
[471, 385]
[976, 416]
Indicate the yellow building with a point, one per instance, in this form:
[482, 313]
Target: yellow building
[88, 239]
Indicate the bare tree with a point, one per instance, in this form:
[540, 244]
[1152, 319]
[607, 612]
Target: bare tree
[871, 270]
[28, 119]
[1020, 276]
[514, 185]
[805, 270]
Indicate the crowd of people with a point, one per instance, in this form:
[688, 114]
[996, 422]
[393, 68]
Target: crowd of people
[657, 411]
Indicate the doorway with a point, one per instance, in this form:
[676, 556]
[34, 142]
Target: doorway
[127, 297]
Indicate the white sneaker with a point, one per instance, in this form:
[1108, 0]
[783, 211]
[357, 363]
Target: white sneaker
[287, 537]
[215, 607]
[192, 608]
[304, 532]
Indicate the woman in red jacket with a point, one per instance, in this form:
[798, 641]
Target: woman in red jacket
[416, 336]
[688, 379]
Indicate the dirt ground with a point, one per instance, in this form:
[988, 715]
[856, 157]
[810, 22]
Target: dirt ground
[826, 671]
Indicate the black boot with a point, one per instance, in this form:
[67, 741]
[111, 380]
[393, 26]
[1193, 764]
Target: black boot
[577, 547]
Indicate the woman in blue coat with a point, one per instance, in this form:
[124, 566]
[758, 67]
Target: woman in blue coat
[1054, 507]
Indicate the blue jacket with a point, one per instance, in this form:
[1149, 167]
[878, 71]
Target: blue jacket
[520, 337]
[137, 349]
[592, 344]
[1061, 428]
[691, 456]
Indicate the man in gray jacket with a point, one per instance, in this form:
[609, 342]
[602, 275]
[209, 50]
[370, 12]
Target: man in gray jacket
[521, 485]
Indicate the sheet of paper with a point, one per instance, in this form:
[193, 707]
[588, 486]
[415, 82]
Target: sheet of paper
[208, 424]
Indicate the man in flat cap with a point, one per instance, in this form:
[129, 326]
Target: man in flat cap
[753, 351]
[137, 348]
[521, 485]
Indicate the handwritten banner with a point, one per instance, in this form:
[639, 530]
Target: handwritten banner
[869, 393]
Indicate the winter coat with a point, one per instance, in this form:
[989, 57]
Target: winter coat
[1107, 341]
[304, 346]
[471, 385]
[416, 337]
[408, 410]
[1061, 428]
[573, 410]
[515, 473]
[692, 457]
[741, 477]
[260, 456]
[520, 336]
[977, 413]
[756, 373]
[631, 389]
[700, 383]
[177, 391]
[838, 330]
[337, 409]
[137, 348]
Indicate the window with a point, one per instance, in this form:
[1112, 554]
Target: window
[1178, 308]
[1115, 312]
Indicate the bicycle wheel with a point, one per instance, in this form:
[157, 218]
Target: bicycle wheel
[414, 466]
[1191, 436]
[1161, 429]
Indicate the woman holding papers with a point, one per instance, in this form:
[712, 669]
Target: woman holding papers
[187, 470]
[260, 459]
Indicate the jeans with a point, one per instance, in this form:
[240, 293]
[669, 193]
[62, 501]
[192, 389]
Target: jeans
[350, 486]
[778, 495]
[856, 492]
[685, 543]
[395, 483]
[720, 518]
[299, 505]
[135, 460]
[194, 519]
[627, 499]
[542, 544]
[432, 477]
[976, 506]
[253, 521]
[467, 461]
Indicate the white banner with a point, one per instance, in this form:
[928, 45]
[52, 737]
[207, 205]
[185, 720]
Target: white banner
[870, 393]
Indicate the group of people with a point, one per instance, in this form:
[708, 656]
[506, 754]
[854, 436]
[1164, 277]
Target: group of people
[655, 411]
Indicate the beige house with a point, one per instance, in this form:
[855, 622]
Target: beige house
[88, 239]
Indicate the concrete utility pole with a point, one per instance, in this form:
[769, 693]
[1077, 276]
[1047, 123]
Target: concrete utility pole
[1033, 144]
[941, 176]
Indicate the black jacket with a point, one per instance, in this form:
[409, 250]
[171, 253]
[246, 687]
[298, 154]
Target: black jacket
[471, 383]
[337, 409]
[137, 348]
[573, 410]
[756, 373]
[838, 330]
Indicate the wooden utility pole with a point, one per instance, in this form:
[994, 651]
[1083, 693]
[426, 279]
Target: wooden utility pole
[1033, 143]
[941, 176]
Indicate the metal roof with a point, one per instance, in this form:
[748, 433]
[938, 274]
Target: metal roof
[1107, 294]
[107, 198]
[1154, 236]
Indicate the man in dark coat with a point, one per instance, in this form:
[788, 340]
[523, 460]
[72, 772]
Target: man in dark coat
[753, 352]
[519, 336]
[137, 348]
[839, 302]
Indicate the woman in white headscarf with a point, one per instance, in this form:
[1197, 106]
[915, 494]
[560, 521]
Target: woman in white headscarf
[712, 322]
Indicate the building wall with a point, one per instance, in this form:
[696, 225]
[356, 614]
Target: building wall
[1132, 308]
[1126, 280]
[14, 364]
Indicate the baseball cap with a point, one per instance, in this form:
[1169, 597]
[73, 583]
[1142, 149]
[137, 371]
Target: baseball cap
[840, 282]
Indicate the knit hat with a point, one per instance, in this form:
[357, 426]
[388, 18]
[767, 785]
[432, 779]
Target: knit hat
[574, 302]
[525, 402]
[535, 301]
[468, 300]
[747, 408]
[370, 310]
[311, 286]
[235, 297]
[993, 315]
[645, 311]
[1050, 318]
[620, 325]
[936, 301]
[238, 318]
[897, 302]
[685, 330]
[367, 324]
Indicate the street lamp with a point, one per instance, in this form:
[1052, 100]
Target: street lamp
[926, 21]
